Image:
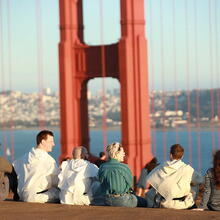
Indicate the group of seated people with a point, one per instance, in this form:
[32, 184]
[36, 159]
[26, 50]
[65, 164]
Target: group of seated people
[35, 177]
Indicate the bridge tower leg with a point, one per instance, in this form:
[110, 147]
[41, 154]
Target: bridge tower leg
[125, 60]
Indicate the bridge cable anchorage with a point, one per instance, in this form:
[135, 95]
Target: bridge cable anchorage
[152, 74]
[3, 91]
[40, 66]
[212, 116]
[217, 67]
[197, 98]
[188, 83]
[12, 112]
[164, 121]
[103, 69]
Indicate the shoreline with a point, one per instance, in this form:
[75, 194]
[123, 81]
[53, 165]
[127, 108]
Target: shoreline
[207, 127]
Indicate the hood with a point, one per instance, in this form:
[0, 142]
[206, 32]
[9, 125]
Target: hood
[172, 166]
[171, 179]
[74, 171]
[78, 165]
[34, 156]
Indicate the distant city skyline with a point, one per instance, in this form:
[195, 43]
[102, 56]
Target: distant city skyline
[182, 38]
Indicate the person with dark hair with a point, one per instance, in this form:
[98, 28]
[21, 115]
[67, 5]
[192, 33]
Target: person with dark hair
[37, 172]
[101, 160]
[8, 180]
[211, 195]
[171, 182]
[142, 186]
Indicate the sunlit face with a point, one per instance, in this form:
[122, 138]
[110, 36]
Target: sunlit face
[121, 154]
[48, 144]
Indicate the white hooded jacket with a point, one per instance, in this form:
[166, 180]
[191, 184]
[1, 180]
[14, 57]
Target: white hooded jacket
[76, 182]
[172, 180]
[37, 171]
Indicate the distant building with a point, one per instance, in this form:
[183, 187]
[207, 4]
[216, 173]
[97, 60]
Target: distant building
[47, 91]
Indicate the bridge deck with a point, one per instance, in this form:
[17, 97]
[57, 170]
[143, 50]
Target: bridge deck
[22, 210]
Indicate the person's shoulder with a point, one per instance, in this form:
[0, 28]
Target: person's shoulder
[113, 163]
[91, 165]
[64, 164]
[124, 166]
[189, 169]
[49, 158]
[106, 164]
[184, 165]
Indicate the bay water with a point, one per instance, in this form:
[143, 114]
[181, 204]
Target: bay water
[201, 153]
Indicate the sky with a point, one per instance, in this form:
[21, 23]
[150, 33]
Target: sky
[182, 36]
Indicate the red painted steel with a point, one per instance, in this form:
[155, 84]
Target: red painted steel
[126, 61]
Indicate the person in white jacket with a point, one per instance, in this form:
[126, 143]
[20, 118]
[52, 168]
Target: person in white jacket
[172, 182]
[78, 179]
[37, 172]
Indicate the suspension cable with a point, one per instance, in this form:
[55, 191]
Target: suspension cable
[198, 88]
[10, 80]
[175, 67]
[41, 109]
[188, 84]
[211, 75]
[103, 64]
[2, 83]
[217, 68]
[162, 79]
[153, 118]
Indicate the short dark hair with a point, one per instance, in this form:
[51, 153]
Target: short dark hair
[151, 165]
[176, 151]
[101, 154]
[42, 135]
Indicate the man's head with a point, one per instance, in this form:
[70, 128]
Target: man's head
[176, 152]
[45, 140]
[116, 151]
[80, 153]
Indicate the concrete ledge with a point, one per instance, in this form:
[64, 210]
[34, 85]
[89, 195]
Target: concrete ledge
[26, 211]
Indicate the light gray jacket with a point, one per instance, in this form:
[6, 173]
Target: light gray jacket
[172, 180]
[211, 196]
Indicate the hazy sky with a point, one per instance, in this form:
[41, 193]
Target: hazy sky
[183, 38]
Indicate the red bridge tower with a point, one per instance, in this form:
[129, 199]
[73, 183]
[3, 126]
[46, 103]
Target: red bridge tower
[126, 61]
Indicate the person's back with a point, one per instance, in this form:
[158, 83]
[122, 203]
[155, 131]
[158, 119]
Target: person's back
[116, 180]
[211, 195]
[120, 172]
[172, 180]
[78, 179]
[37, 172]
